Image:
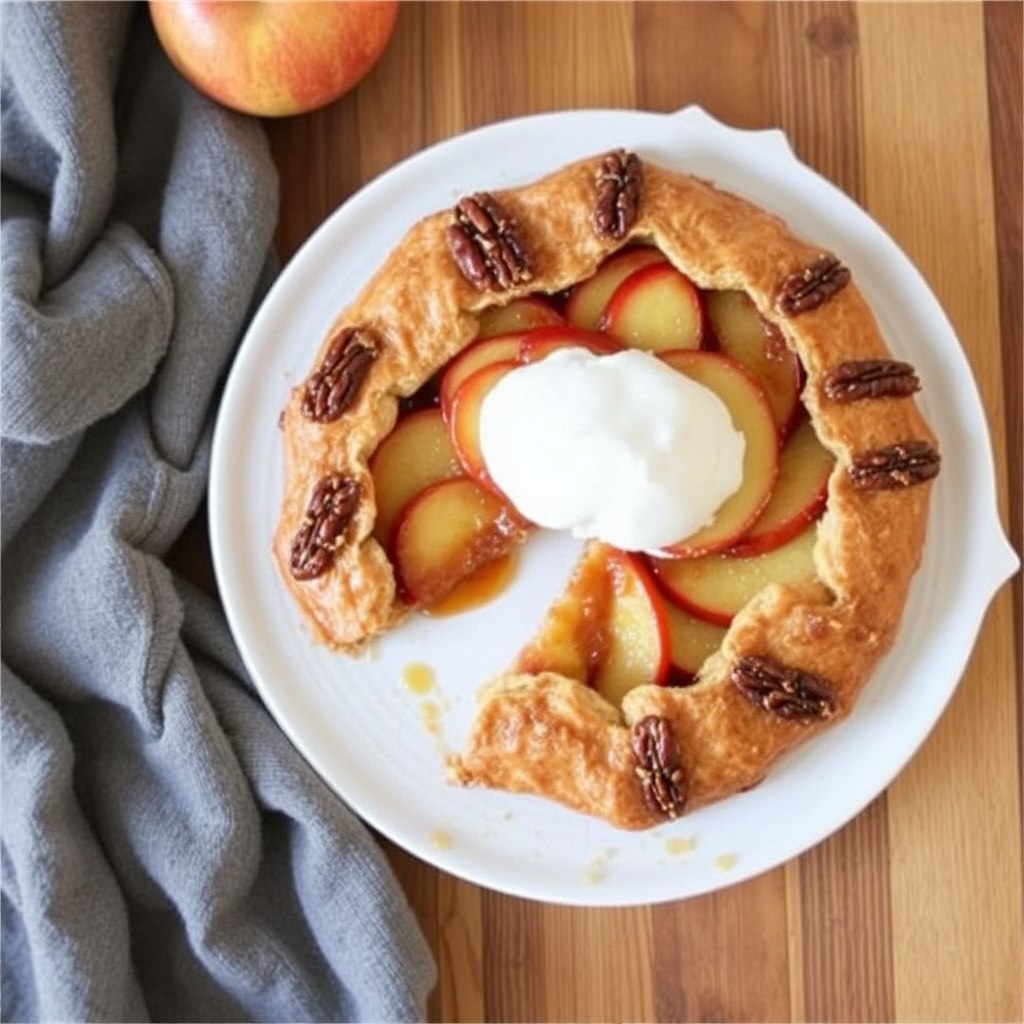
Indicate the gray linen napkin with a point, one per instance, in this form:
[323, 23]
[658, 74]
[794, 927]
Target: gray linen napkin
[166, 854]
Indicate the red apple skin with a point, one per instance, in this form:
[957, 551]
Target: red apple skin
[741, 332]
[628, 313]
[631, 566]
[417, 453]
[751, 414]
[447, 532]
[542, 341]
[499, 348]
[464, 420]
[691, 642]
[715, 587]
[274, 59]
[588, 298]
[799, 497]
[637, 645]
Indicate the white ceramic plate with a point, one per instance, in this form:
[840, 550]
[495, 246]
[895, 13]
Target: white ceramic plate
[381, 746]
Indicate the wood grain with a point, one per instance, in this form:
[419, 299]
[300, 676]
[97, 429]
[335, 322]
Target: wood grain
[845, 925]
[1004, 32]
[935, 110]
[718, 957]
[714, 55]
[814, 78]
[912, 912]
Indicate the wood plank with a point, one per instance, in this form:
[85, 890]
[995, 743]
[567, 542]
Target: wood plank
[954, 812]
[515, 955]
[460, 950]
[795, 939]
[847, 945]
[720, 956]
[492, 43]
[584, 49]
[535, 971]
[1004, 32]
[587, 49]
[723, 956]
[714, 55]
[843, 925]
[314, 181]
[814, 78]
[392, 95]
[444, 94]
[597, 965]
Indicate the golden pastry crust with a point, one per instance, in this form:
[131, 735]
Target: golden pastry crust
[544, 733]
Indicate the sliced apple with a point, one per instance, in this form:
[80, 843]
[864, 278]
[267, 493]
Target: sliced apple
[446, 533]
[587, 299]
[752, 416]
[637, 644]
[655, 308]
[745, 335]
[799, 496]
[536, 344]
[417, 453]
[464, 418]
[714, 588]
[572, 638]
[502, 348]
[519, 314]
[607, 628]
[691, 642]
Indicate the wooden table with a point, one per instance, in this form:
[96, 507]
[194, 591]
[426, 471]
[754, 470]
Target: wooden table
[912, 911]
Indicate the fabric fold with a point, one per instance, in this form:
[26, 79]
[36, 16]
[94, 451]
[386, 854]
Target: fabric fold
[108, 322]
[166, 853]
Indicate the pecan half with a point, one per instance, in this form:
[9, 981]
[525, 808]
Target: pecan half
[787, 692]
[657, 766]
[330, 510]
[334, 385]
[619, 187]
[871, 378]
[899, 465]
[486, 243]
[807, 289]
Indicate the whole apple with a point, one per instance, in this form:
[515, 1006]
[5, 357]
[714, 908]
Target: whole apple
[274, 58]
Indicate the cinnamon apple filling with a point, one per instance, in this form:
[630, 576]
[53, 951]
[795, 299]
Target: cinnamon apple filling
[662, 368]
[660, 419]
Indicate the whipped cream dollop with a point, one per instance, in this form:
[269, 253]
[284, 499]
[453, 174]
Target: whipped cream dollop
[618, 447]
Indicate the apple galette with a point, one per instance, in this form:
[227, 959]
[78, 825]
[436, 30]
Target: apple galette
[662, 368]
